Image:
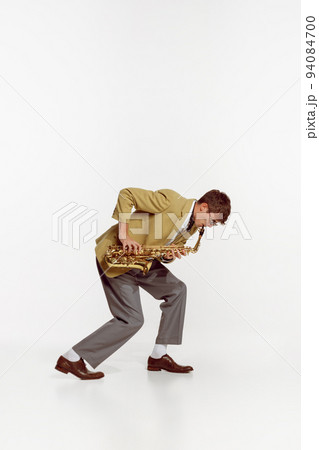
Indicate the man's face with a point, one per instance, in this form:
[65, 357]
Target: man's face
[203, 218]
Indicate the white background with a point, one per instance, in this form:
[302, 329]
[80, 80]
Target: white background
[192, 96]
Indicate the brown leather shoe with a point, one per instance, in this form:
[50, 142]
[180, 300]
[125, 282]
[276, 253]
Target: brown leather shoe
[77, 368]
[166, 363]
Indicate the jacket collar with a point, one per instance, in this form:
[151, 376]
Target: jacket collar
[187, 206]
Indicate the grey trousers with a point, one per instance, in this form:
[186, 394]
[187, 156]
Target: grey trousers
[122, 293]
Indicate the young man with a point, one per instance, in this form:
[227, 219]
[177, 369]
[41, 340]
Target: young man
[167, 218]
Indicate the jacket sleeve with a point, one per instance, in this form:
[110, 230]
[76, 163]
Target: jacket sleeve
[166, 261]
[142, 199]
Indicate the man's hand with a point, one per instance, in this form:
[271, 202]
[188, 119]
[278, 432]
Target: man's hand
[171, 254]
[128, 243]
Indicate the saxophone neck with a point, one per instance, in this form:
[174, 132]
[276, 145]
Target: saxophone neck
[196, 246]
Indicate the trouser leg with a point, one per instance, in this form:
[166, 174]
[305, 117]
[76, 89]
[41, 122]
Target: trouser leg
[163, 285]
[123, 298]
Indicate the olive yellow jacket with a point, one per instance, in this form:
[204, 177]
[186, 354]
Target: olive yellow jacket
[157, 217]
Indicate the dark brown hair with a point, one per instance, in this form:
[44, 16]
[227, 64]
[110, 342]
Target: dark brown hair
[218, 202]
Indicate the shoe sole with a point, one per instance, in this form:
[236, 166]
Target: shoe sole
[61, 369]
[156, 369]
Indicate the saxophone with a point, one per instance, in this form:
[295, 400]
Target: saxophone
[115, 256]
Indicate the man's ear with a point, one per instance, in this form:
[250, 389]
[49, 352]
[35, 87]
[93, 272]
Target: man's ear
[203, 206]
